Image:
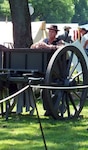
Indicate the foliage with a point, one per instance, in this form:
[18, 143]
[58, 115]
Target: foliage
[58, 11]
[81, 11]
[53, 11]
[4, 9]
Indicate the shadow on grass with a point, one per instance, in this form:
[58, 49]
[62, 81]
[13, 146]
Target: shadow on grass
[22, 132]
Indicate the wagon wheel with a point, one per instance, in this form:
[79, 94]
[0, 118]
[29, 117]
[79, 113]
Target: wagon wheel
[63, 70]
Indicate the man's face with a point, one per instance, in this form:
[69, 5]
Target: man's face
[67, 30]
[52, 33]
[82, 32]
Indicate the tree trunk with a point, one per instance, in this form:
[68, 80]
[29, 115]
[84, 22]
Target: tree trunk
[21, 23]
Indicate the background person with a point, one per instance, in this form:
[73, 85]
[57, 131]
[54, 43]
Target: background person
[65, 36]
[84, 39]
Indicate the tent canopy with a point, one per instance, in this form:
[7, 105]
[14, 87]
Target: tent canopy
[39, 30]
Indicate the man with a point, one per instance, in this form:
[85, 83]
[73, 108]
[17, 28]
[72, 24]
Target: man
[51, 42]
[84, 39]
[65, 36]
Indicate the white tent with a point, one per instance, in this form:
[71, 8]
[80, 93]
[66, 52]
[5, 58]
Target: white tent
[85, 26]
[39, 31]
[6, 32]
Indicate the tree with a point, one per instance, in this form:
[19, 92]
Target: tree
[4, 10]
[56, 11]
[81, 11]
[21, 23]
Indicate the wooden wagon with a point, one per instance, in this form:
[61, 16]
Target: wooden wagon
[62, 75]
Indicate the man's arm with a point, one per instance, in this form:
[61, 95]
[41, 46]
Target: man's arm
[86, 43]
[43, 45]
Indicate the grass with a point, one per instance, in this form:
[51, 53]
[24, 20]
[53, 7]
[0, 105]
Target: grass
[22, 132]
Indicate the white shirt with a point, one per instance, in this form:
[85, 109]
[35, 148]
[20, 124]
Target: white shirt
[84, 39]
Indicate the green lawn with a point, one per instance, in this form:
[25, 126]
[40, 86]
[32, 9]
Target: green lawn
[23, 132]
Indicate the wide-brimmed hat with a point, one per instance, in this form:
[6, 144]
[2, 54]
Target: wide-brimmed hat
[67, 27]
[83, 29]
[53, 27]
